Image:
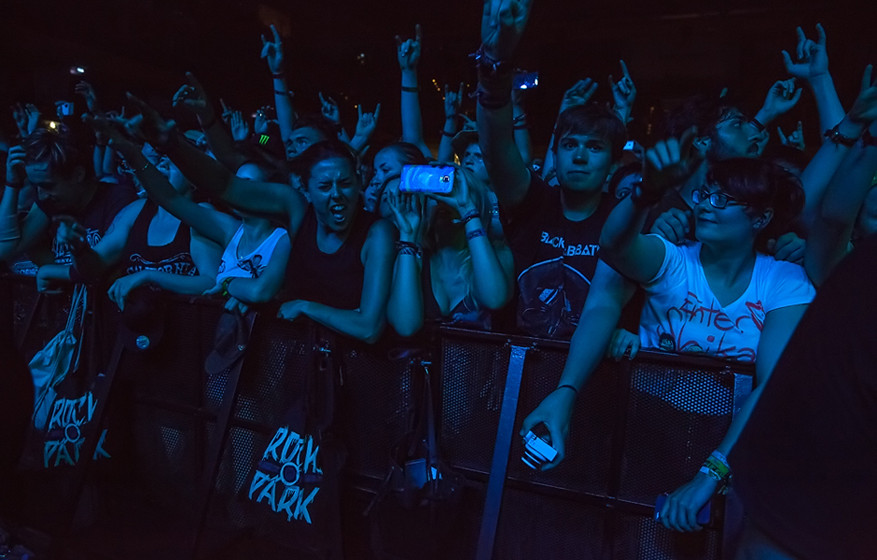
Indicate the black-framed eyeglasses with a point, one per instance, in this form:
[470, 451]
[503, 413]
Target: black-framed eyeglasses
[716, 199]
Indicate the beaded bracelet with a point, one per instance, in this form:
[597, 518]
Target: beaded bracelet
[833, 134]
[470, 215]
[408, 248]
[475, 233]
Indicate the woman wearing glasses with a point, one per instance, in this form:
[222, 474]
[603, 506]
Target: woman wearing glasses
[721, 295]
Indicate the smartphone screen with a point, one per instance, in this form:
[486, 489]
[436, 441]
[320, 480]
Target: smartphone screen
[427, 179]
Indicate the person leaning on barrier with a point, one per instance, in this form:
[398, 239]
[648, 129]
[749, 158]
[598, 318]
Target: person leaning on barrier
[451, 265]
[341, 260]
[758, 299]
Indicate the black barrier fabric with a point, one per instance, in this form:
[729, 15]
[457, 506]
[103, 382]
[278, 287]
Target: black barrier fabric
[639, 429]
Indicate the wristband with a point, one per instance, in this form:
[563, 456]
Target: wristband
[867, 139]
[14, 186]
[833, 135]
[520, 118]
[408, 248]
[278, 75]
[567, 386]
[448, 134]
[280, 92]
[757, 124]
[475, 233]
[470, 215]
[492, 101]
[224, 293]
[411, 89]
[489, 64]
[520, 126]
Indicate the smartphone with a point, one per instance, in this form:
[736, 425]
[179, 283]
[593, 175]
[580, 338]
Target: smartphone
[65, 108]
[526, 80]
[427, 179]
[703, 515]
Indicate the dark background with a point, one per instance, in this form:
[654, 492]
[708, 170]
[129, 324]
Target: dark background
[672, 48]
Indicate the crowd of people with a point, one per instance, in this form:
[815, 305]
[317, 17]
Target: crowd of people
[712, 241]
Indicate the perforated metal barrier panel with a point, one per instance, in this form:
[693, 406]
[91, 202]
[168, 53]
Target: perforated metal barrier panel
[638, 429]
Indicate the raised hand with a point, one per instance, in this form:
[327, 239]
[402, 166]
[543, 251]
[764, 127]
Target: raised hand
[272, 52]
[407, 213]
[149, 125]
[366, 123]
[86, 90]
[502, 25]
[578, 94]
[795, 139]
[27, 117]
[408, 51]
[864, 110]
[812, 57]
[263, 119]
[669, 163]
[623, 93]
[15, 174]
[453, 100]
[240, 128]
[780, 99]
[329, 109]
[459, 198]
[193, 97]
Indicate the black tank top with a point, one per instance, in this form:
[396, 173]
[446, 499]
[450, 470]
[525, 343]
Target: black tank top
[173, 258]
[331, 279]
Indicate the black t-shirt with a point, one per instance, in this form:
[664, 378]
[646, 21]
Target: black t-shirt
[555, 260]
[96, 218]
[804, 465]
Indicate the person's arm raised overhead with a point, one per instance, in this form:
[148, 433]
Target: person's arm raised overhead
[623, 94]
[272, 52]
[366, 124]
[452, 102]
[502, 26]
[258, 197]
[622, 245]
[192, 96]
[408, 55]
[811, 64]
[18, 236]
[839, 141]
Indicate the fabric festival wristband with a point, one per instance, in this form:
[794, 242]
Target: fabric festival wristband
[476, 233]
[410, 89]
[471, 215]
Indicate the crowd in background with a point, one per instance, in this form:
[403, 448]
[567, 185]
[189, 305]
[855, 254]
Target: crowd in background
[711, 241]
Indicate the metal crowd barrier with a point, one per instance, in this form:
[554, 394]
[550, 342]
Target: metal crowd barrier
[180, 459]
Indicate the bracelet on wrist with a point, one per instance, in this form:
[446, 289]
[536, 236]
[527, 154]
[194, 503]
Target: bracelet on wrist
[757, 124]
[278, 75]
[15, 186]
[281, 92]
[224, 293]
[411, 89]
[408, 248]
[469, 216]
[568, 386]
[448, 134]
[520, 126]
[833, 135]
[475, 233]
[488, 64]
